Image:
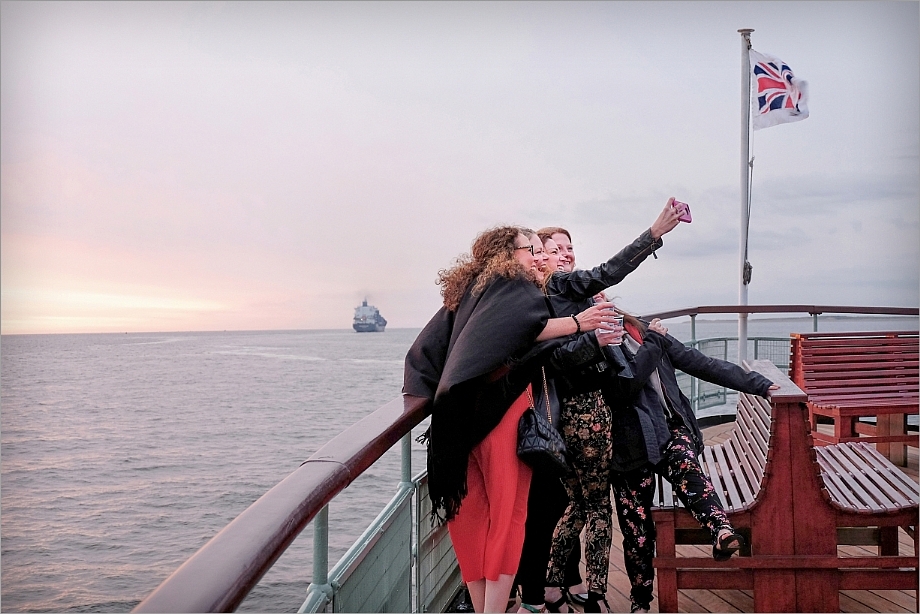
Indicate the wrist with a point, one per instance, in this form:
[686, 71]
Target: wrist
[577, 324]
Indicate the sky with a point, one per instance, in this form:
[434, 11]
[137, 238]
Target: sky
[249, 166]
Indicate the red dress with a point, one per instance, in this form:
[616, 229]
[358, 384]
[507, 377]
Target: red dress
[488, 531]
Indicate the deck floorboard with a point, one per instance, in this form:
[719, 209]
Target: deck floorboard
[743, 601]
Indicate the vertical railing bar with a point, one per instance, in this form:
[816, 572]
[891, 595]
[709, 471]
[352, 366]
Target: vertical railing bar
[407, 458]
[321, 553]
[694, 383]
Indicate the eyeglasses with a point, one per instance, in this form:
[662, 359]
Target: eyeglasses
[527, 247]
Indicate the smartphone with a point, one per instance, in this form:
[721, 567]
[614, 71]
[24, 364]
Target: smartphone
[685, 216]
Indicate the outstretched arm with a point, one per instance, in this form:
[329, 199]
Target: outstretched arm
[579, 285]
[587, 320]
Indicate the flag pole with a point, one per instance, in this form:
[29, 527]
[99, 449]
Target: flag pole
[745, 187]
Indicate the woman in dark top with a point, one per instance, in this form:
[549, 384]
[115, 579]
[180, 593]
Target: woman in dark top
[654, 430]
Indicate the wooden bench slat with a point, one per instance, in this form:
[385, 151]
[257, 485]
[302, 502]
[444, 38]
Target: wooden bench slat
[667, 493]
[873, 472]
[869, 358]
[842, 395]
[752, 442]
[728, 475]
[707, 462]
[848, 480]
[883, 333]
[855, 380]
[824, 337]
[752, 454]
[883, 357]
[844, 345]
[753, 461]
[884, 406]
[876, 367]
[877, 500]
[896, 477]
[762, 409]
[840, 493]
[811, 349]
[744, 472]
[758, 423]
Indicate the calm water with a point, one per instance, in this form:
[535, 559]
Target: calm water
[123, 454]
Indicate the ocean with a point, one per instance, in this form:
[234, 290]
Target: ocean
[121, 455]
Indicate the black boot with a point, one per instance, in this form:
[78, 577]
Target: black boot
[593, 603]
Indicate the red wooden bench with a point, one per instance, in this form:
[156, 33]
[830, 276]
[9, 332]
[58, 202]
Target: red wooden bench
[849, 376]
[795, 503]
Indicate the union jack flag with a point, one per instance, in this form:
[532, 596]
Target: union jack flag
[779, 97]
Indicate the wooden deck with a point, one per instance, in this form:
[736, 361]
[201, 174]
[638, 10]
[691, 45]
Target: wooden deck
[743, 601]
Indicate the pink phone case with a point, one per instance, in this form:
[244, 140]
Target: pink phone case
[685, 217]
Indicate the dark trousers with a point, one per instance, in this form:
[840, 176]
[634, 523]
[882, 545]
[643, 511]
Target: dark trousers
[545, 505]
[633, 493]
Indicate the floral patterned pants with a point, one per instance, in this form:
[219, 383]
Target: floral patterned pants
[633, 492]
[585, 423]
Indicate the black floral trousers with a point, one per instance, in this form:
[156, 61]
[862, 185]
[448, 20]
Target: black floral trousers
[633, 492]
[585, 423]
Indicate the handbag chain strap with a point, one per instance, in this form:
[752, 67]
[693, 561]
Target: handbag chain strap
[549, 416]
[533, 405]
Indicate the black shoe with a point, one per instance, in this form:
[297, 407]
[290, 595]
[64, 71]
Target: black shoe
[556, 606]
[726, 546]
[593, 602]
[512, 599]
[576, 598]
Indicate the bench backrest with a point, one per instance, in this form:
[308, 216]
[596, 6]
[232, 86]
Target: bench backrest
[872, 366]
[737, 465]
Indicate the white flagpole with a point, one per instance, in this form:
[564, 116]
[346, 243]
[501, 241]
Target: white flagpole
[745, 188]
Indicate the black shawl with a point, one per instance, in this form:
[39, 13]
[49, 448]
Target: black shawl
[469, 363]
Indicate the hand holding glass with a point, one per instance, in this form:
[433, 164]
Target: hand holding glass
[611, 330]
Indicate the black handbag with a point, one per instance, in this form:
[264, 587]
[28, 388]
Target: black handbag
[540, 445]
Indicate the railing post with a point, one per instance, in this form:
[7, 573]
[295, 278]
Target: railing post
[694, 383]
[321, 552]
[407, 458]
[814, 317]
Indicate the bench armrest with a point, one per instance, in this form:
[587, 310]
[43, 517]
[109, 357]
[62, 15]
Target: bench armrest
[788, 392]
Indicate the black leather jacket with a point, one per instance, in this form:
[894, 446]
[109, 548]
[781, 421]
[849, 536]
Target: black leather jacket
[580, 364]
[640, 428]
[570, 293]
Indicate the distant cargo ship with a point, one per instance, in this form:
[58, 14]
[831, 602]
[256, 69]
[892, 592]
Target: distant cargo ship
[368, 319]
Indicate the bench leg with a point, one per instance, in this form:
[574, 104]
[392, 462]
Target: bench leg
[817, 591]
[844, 426]
[891, 424]
[774, 590]
[888, 541]
[667, 578]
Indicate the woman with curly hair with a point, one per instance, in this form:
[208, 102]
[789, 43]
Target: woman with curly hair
[476, 360]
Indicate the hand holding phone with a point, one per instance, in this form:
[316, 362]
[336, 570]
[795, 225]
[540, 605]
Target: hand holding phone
[684, 210]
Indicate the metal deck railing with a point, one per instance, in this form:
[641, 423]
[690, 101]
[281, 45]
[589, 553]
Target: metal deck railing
[401, 562]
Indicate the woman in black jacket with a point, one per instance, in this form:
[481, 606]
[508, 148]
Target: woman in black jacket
[654, 430]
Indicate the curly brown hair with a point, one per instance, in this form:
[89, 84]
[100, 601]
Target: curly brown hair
[492, 256]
